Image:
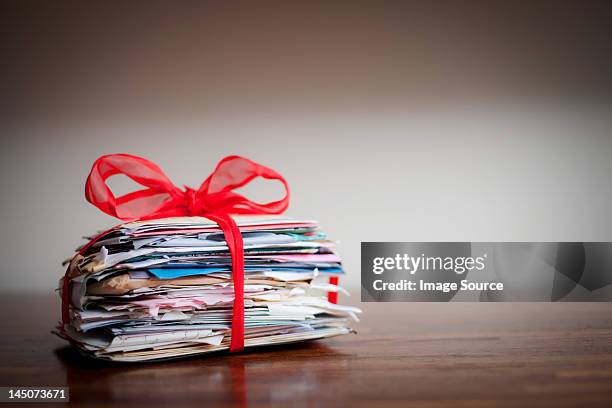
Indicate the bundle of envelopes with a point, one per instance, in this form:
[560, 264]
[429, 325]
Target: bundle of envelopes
[163, 288]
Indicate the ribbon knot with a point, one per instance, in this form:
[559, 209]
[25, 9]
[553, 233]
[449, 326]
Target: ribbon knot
[190, 201]
[215, 200]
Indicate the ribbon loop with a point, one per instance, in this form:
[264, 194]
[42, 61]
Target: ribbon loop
[215, 200]
[234, 172]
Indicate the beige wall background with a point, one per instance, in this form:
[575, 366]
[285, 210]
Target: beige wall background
[392, 121]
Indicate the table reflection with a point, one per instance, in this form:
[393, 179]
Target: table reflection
[270, 375]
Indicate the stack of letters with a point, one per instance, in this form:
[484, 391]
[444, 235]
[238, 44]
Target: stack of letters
[163, 288]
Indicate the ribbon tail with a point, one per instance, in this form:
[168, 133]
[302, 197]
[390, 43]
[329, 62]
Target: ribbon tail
[236, 248]
[332, 297]
[65, 299]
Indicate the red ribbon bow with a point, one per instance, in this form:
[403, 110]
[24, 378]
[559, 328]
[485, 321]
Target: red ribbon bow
[215, 200]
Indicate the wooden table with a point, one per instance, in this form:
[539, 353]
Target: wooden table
[406, 354]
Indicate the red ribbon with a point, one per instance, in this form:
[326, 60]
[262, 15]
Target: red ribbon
[215, 200]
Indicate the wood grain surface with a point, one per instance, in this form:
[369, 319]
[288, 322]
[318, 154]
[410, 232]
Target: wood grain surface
[405, 354]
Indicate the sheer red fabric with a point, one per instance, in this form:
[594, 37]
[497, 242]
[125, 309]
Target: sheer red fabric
[161, 198]
[215, 200]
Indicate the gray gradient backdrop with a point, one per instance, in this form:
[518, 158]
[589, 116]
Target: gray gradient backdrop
[392, 121]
